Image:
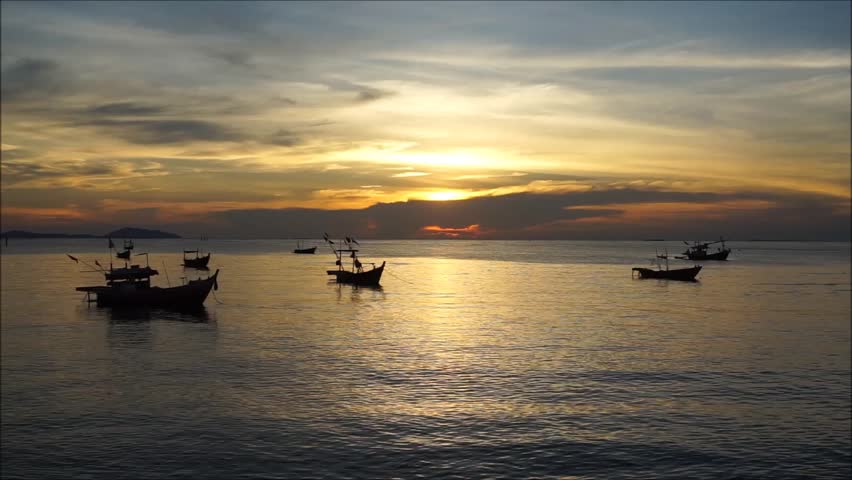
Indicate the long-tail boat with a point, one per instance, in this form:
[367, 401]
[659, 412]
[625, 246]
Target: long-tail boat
[128, 247]
[300, 249]
[357, 275]
[197, 262]
[131, 287]
[699, 251]
[683, 274]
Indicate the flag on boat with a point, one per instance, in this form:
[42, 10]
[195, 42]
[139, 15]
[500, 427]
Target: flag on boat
[98, 264]
[73, 258]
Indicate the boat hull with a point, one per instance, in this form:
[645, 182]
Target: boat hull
[370, 277]
[720, 255]
[139, 294]
[200, 262]
[682, 274]
[311, 250]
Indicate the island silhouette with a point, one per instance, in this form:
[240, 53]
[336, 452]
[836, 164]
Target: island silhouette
[125, 232]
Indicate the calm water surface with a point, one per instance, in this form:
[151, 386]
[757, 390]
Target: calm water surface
[475, 360]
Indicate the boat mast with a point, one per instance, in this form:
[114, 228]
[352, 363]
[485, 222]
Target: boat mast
[146, 258]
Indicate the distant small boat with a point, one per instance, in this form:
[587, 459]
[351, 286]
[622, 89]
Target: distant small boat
[699, 251]
[128, 247]
[300, 249]
[682, 274]
[131, 287]
[197, 262]
[356, 276]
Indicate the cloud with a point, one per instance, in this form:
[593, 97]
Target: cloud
[485, 176]
[283, 138]
[126, 109]
[335, 166]
[33, 78]
[619, 213]
[40, 173]
[470, 231]
[235, 58]
[410, 174]
[149, 132]
[590, 214]
[661, 58]
[372, 94]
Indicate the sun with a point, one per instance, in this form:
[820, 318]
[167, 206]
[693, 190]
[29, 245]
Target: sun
[446, 195]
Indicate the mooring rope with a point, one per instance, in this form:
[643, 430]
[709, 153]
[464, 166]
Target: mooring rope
[401, 279]
[216, 298]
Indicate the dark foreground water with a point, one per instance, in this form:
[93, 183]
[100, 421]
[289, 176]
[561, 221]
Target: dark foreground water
[475, 360]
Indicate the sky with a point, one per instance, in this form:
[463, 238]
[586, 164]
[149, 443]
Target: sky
[551, 120]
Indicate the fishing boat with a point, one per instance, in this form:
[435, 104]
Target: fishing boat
[700, 251]
[357, 275]
[131, 287]
[197, 262]
[301, 249]
[683, 274]
[128, 247]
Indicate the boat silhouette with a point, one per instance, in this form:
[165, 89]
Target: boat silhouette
[131, 287]
[357, 275]
[682, 274]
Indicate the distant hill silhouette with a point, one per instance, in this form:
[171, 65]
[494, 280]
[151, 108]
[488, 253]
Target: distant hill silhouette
[126, 232]
[130, 232]
[23, 234]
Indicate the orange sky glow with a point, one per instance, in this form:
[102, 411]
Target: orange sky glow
[643, 125]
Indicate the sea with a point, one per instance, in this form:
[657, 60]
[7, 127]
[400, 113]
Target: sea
[475, 359]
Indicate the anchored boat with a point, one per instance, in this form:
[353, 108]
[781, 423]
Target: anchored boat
[128, 247]
[683, 274]
[301, 249]
[700, 251]
[131, 287]
[197, 262]
[357, 275]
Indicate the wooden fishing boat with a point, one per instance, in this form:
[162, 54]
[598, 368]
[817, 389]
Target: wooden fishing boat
[300, 249]
[128, 247]
[700, 251]
[357, 275]
[131, 287]
[682, 274]
[197, 262]
[360, 276]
